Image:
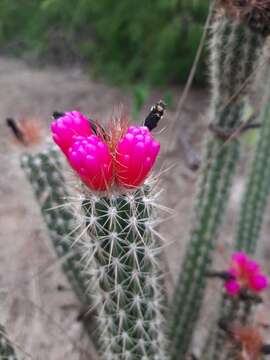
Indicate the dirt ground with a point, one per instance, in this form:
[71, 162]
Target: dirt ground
[40, 319]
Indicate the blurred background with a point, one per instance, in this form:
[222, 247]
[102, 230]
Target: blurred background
[93, 56]
[154, 41]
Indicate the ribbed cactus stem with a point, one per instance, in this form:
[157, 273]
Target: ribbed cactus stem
[7, 351]
[249, 226]
[44, 170]
[121, 253]
[257, 188]
[234, 53]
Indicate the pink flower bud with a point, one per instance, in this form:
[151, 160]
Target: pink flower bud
[91, 159]
[135, 156]
[247, 275]
[258, 282]
[232, 287]
[69, 125]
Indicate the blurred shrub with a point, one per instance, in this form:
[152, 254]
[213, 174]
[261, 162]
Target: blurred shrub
[124, 40]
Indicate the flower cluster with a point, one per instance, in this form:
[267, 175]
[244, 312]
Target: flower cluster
[99, 164]
[245, 274]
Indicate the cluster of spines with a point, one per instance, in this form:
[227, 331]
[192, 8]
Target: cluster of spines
[44, 171]
[121, 253]
[235, 50]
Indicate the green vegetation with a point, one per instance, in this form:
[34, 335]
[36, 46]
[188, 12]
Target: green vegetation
[153, 41]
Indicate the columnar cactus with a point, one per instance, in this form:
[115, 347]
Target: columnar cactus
[235, 49]
[7, 351]
[257, 188]
[249, 226]
[120, 244]
[44, 171]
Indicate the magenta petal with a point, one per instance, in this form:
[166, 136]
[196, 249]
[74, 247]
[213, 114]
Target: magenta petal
[252, 266]
[67, 126]
[258, 282]
[232, 287]
[141, 148]
[93, 163]
[240, 258]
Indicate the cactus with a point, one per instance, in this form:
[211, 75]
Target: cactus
[257, 188]
[235, 50]
[122, 238]
[7, 351]
[249, 226]
[120, 247]
[44, 171]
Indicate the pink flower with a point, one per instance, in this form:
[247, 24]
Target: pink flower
[136, 153]
[90, 158]
[103, 160]
[247, 275]
[66, 127]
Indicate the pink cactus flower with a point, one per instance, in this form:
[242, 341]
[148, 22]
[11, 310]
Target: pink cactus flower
[67, 126]
[101, 161]
[247, 275]
[136, 153]
[90, 158]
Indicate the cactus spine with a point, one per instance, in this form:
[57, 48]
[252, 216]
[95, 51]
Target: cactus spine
[44, 172]
[234, 53]
[121, 241]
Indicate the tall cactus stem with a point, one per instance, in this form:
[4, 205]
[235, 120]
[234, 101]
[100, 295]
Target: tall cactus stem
[249, 226]
[121, 253]
[44, 170]
[257, 188]
[234, 53]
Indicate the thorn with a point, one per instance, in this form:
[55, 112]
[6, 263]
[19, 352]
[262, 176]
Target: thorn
[156, 113]
[224, 275]
[12, 124]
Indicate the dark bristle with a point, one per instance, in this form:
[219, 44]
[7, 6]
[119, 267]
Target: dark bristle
[57, 114]
[265, 349]
[12, 124]
[224, 275]
[156, 113]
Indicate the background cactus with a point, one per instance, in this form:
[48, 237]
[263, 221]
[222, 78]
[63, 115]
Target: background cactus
[44, 171]
[249, 225]
[235, 50]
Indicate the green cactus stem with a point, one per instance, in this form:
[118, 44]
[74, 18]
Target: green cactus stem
[44, 171]
[257, 189]
[121, 253]
[249, 226]
[235, 50]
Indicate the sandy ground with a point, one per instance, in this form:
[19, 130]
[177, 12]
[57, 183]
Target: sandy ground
[40, 319]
